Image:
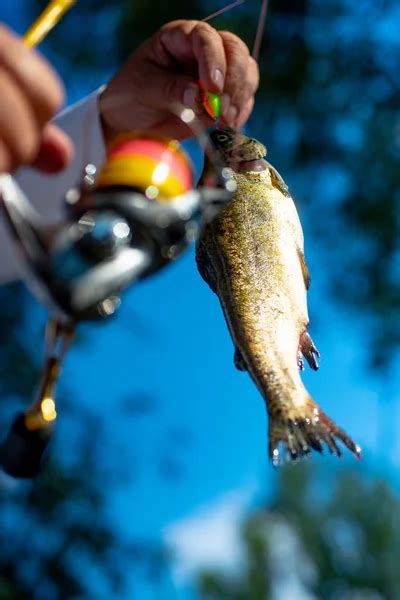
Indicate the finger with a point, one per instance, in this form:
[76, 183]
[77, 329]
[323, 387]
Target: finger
[196, 43]
[248, 99]
[33, 74]
[253, 76]
[237, 86]
[208, 48]
[19, 131]
[241, 119]
[55, 151]
[245, 113]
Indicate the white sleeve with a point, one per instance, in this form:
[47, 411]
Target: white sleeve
[46, 192]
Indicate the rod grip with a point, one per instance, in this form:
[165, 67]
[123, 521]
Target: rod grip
[21, 453]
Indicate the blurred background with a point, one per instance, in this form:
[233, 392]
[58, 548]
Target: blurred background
[158, 485]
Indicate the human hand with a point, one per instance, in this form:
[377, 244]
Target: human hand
[162, 75]
[31, 93]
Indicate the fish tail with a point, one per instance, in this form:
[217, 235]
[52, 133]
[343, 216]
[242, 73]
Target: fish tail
[294, 437]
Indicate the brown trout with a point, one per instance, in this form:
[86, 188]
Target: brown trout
[252, 257]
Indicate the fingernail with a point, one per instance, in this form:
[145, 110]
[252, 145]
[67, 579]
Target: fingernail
[218, 78]
[191, 96]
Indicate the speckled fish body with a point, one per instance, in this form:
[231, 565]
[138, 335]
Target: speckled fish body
[252, 258]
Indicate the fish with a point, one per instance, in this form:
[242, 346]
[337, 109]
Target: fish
[252, 257]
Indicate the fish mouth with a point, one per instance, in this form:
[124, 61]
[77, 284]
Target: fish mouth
[247, 157]
[256, 165]
[249, 151]
[238, 151]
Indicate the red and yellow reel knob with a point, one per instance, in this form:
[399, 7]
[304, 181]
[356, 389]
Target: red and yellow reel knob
[158, 167]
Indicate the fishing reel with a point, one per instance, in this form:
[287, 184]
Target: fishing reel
[133, 218]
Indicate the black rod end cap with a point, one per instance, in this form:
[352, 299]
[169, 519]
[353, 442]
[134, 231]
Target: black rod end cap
[22, 451]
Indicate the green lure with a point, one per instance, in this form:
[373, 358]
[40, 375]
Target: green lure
[210, 101]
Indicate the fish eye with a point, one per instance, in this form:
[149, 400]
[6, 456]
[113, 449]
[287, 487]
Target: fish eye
[222, 137]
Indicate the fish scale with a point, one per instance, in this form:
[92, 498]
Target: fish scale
[252, 257]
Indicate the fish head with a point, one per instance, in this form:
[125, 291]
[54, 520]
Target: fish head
[238, 151]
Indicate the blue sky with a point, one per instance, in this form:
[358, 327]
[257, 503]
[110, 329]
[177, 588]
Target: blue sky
[170, 342]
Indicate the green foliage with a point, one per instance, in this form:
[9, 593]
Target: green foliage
[347, 528]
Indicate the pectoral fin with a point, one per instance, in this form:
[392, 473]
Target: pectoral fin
[239, 361]
[277, 181]
[304, 269]
[309, 350]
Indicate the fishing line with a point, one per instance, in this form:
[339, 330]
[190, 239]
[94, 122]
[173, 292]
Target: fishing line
[221, 11]
[260, 23]
[260, 30]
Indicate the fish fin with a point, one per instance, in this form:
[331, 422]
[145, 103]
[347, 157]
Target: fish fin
[239, 361]
[309, 350]
[304, 269]
[205, 266]
[277, 180]
[309, 430]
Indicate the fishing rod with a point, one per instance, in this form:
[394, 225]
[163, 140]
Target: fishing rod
[49, 18]
[22, 450]
[127, 221]
[122, 224]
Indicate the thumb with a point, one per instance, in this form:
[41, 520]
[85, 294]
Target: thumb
[55, 152]
[174, 92]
